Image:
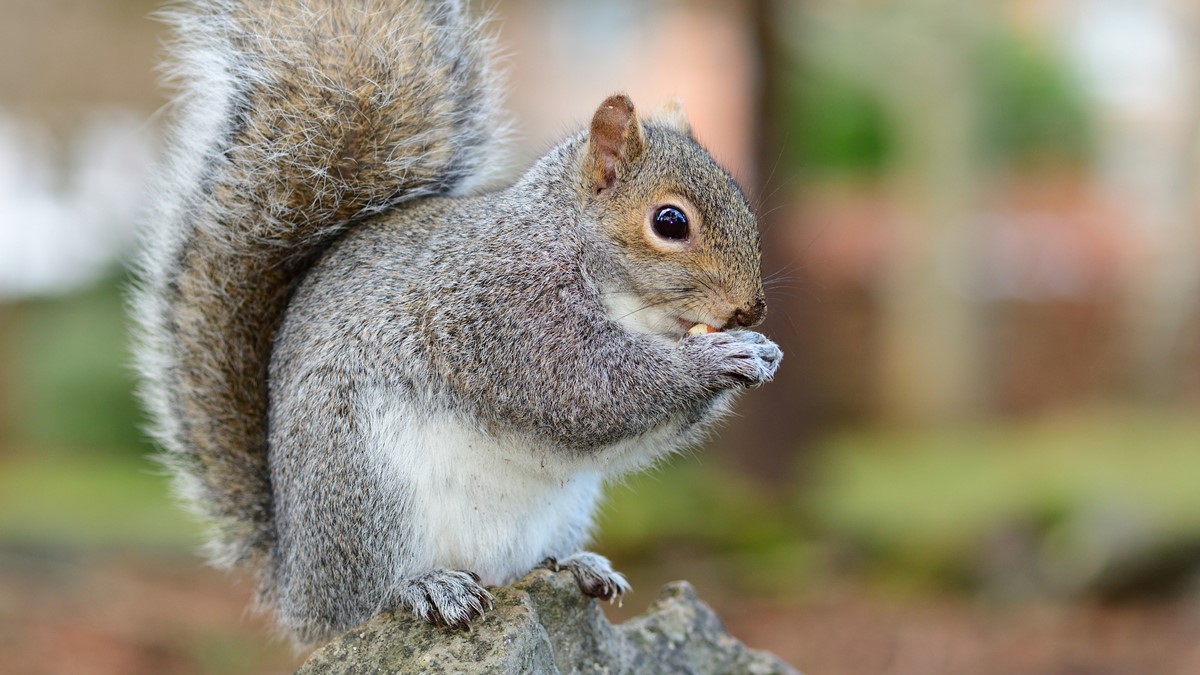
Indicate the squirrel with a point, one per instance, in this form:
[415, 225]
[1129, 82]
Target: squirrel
[385, 384]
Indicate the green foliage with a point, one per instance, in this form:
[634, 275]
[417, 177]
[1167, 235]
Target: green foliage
[929, 504]
[75, 386]
[836, 117]
[81, 500]
[932, 490]
[836, 124]
[924, 506]
[687, 500]
[1031, 111]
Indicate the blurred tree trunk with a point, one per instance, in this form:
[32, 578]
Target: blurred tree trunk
[1164, 299]
[929, 332]
[774, 423]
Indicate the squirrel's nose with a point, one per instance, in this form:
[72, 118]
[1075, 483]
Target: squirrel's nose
[749, 315]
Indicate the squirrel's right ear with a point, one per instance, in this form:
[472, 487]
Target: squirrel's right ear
[615, 142]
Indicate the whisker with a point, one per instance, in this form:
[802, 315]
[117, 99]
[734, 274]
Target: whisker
[786, 269]
[763, 217]
[781, 293]
[645, 307]
[761, 200]
[667, 289]
[786, 282]
[708, 284]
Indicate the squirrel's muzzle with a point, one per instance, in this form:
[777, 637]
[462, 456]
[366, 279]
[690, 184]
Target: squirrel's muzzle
[749, 315]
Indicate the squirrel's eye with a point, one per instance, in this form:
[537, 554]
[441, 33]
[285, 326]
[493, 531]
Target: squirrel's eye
[670, 223]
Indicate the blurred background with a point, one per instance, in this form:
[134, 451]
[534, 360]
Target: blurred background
[982, 233]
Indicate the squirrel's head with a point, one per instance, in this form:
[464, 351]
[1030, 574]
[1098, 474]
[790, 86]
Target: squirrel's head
[683, 243]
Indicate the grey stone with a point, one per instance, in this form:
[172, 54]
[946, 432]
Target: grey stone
[543, 624]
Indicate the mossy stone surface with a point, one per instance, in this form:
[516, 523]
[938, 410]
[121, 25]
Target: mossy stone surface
[543, 624]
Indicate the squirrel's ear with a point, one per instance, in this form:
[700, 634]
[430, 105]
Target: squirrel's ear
[671, 113]
[614, 142]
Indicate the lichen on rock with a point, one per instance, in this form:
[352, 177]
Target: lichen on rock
[543, 624]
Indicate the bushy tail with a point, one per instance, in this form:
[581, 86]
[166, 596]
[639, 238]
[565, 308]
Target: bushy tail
[298, 118]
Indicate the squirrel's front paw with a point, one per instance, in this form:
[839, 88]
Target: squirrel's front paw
[594, 574]
[446, 597]
[744, 357]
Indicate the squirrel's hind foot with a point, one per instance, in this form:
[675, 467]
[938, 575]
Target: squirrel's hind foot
[446, 597]
[594, 573]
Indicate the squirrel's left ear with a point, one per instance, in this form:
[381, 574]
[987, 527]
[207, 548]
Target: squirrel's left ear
[615, 142]
[671, 113]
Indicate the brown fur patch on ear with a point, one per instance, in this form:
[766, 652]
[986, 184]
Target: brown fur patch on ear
[614, 142]
[672, 114]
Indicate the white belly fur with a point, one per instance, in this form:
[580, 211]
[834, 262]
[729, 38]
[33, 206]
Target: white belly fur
[476, 503]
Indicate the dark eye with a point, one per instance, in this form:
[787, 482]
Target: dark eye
[670, 223]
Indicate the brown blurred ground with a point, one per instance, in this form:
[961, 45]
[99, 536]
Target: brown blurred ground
[129, 614]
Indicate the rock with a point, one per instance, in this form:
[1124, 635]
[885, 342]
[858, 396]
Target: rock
[543, 624]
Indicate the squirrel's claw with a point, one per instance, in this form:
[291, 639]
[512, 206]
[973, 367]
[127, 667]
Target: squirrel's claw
[595, 576]
[449, 598]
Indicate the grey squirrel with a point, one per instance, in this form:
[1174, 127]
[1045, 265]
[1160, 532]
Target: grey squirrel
[386, 387]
